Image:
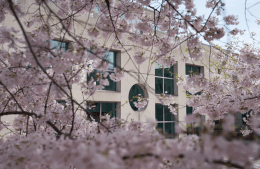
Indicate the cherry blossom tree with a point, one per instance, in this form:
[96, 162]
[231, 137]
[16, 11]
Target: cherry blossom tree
[34, 75]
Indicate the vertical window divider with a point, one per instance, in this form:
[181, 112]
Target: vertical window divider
[163, 81]
[100, 108]
[163, 119]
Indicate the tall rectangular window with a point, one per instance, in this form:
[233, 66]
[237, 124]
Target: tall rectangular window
[165, 120]
[111, 58]
[97, 109]
[192, 128]
[164, 79]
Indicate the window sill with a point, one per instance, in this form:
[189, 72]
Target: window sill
[166, 95]
[109, 91]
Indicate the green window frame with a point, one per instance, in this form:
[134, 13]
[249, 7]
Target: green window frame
[111, 58]
[165, 121]
[164, 79]
[101, 109]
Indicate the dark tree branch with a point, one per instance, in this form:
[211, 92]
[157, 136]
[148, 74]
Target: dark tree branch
[46, 102]
[54, 127]
[19, 113]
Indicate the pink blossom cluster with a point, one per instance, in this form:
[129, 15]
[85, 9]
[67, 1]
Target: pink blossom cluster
[95, 148]
[194, 48]
[168, 100]
[231, 20]
[139, 57]
[117, 75]
[141, 102]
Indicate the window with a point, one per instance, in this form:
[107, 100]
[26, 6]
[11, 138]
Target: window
[111, 58]
[133, 94]
[191, 70]
[58, 46]
[164, 79]
[165, 120]
[239, 123]
[97, 109]
[192, 128]
[218, 126]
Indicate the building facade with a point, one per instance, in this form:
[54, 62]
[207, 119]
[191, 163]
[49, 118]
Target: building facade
[148, 79]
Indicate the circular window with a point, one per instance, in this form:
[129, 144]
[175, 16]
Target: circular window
[134, 92]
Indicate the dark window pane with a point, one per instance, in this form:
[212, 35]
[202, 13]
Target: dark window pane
[191, 70]
[133, 94]
[110, 57]
[94, 110]
[64, 46]
[188, 93]
[168, 72]
[188, 110]
[168, 116]
[169, 128]
[159, 127]
[188, 69]
[108, 108]
[61, 101]
[158, 70]
[158, 85]
[195, 69]
[168, 86]
[159, 112]
[218, 126]
[92, 74]
[111, 86]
